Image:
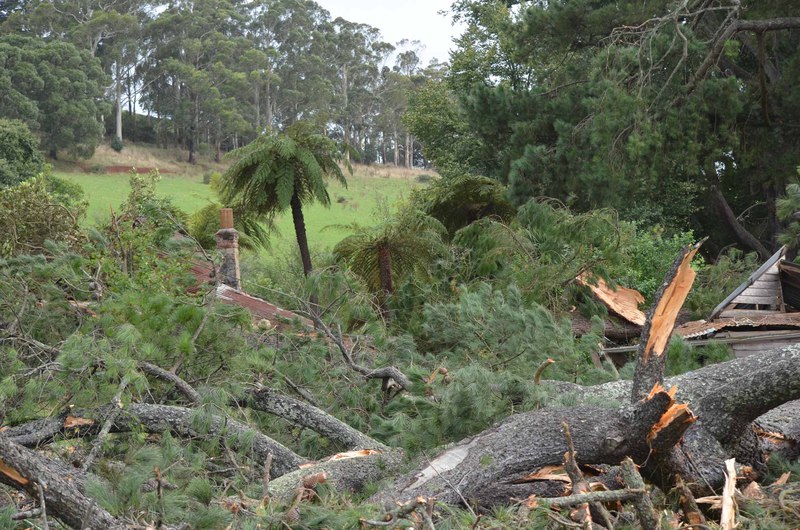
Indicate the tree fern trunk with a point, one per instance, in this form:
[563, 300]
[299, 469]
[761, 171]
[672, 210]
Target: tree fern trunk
[385, 272]
[300, 233]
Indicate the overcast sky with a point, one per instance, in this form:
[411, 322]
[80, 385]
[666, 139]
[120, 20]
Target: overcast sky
[402, 19]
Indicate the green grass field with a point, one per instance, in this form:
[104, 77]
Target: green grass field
[367, 191]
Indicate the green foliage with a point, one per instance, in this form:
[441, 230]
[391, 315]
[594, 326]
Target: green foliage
[543, 250]
[20, 158]
[648, 255]
[500, 330]
[54, 87]
[436, 119]
[683, 357]
[474, 398]
[388, 253]
[116, 144]
[458, 201]
[30, 215]
[565, 103]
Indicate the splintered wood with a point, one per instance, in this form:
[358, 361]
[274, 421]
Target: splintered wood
[669, 305]
[676, 418]
[72, 422]
[13, 474]
[728, 517]
[622, 301]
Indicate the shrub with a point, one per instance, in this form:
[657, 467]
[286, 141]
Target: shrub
[20, 158]
[31, 215]
[116, 144]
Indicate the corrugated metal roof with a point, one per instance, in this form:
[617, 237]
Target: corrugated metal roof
[747, 283]
[701, 328]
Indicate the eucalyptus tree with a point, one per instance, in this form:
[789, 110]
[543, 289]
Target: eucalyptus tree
[108, 29]
[189, 72]
[298, 74]
[356, 51]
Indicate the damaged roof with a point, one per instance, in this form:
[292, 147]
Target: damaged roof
[203, 272]
[702, 328]
[772, 261]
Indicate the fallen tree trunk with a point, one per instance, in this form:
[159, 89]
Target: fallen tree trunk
[480, 469]
[267, 400]
[158, 418]
[62, 486]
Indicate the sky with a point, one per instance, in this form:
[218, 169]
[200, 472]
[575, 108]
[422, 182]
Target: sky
[404, 19]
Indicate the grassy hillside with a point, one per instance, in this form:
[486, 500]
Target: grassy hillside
[370, 187]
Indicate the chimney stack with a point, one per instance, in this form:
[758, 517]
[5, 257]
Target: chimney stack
[228, 246]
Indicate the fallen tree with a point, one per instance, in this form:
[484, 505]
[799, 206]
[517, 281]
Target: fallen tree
[679, 430]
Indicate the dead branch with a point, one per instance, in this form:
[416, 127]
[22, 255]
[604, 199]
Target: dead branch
[648, 517]
[689, 506]
[582, 514]
[585, 498]
[403, 511]
[389, 372]
[758, 26]
[180, 384]
[537, 377]
[267, 400]
[116, 408]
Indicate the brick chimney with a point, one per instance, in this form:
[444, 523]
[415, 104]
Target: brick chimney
[228, 246]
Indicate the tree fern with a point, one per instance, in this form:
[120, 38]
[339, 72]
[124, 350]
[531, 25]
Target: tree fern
[283, 170]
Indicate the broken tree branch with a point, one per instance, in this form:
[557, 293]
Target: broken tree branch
[116, 408]
[158, 418]
[385, 373]
[648, 517]
[657, 330]
[63, 494]
[267, 400]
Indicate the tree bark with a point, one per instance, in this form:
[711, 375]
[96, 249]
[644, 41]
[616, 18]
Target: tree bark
[300, 233]
[63, 486]
[118, 102]
[156, 418]
[481, 469]
[742, 235]
[266, 400]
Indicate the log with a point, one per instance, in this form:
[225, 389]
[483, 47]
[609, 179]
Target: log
[156, 418]
[267, 400]
[343, 474]
[62, 486]
[470, 470]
